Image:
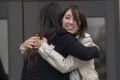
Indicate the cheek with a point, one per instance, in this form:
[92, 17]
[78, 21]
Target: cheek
[73, 31]
[76, 29]
[63, 23]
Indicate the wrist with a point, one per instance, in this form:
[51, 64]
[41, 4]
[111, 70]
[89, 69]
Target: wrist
[46, 48]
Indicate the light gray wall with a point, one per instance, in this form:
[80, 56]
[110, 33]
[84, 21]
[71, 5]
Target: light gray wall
[15, 33]
[4, 43]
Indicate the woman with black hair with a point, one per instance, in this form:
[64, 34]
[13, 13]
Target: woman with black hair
[35, 67]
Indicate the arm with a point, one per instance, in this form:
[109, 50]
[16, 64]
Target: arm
[75, 48]
[69, 46]
[62, 64]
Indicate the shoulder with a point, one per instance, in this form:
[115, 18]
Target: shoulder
[63, 39]
[86, 40]
[87, 35]
[63, 35]
[60, 31]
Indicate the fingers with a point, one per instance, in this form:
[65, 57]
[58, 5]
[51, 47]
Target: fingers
[35, 42]
[34, 38]
[39, 42]
[29, 43]
[29, 46]
[44, 40]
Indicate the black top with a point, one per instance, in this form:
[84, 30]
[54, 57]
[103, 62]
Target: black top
[65, 44]
[44, 71]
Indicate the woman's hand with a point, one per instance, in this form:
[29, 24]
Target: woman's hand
[34, 42]
[31, 42]
[40, 42]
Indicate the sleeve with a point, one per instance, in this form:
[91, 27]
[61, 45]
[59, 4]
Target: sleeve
[23, 48]
[81, 52]
[72, 46]
[60, 63]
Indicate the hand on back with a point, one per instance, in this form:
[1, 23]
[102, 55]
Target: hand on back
[34, 42]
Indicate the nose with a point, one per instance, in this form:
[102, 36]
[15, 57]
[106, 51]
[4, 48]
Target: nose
[71, 21]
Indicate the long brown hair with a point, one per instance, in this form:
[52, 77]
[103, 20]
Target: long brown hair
[31, 56]
[31, 59]
[49, 22]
